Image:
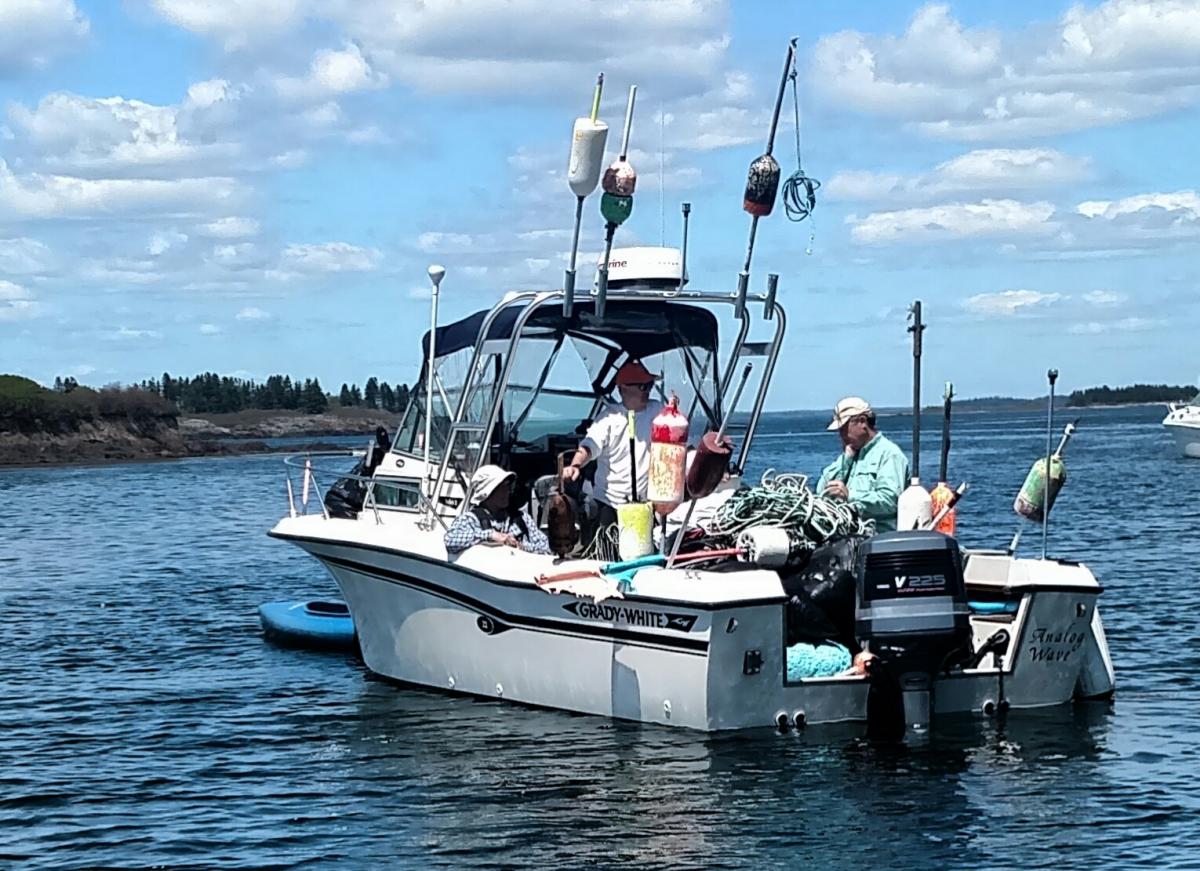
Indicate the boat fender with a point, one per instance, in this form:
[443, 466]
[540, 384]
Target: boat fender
[765, 546]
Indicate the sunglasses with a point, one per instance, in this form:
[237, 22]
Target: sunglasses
[645, 387]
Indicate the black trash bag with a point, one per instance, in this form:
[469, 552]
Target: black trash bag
[345, 498]
[821, 595]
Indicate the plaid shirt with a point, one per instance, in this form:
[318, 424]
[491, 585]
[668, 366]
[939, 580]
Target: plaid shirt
[466, 530]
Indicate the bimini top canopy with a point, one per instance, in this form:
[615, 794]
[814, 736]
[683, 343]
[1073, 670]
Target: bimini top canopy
[641, 328]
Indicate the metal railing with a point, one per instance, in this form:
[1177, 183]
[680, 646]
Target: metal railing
[308, 470]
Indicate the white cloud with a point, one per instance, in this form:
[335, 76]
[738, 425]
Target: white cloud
[983, 171]
[1124, 325]
[23, 256]
[230, 228]
[33, 33]
[53, 196]
[330, 257]
[443, 242]
[125, 333]
[333, 73]
[1184, 203]
[252, 313]
[209, 329]
[164, 241]
[956, 220]
[1007, 303]
[1121, 60]
[1104, 298]
[236, 254]
[235, 22]
[17, 302]
[513, 46]
[110, 135]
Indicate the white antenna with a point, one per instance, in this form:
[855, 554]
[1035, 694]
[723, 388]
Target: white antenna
[436, 274]
[662, 184]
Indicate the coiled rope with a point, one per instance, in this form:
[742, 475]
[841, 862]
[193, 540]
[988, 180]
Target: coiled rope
[786, 502]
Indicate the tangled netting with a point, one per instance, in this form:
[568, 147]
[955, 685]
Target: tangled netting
[785, 501]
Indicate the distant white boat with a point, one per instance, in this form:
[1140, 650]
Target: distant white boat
[1183, 422]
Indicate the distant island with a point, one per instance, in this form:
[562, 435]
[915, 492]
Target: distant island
[1135, 394]
[181, 417]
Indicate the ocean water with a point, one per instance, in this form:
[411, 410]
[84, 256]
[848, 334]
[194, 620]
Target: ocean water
[145, 722]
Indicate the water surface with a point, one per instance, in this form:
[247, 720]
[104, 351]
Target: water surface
[147, 724]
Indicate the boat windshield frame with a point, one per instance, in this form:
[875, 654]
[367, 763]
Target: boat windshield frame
[500, 344]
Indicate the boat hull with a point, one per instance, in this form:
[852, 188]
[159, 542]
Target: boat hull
[709, 666]
[1187, 438]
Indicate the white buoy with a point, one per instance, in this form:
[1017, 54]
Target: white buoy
[915, 509]
[587, 155]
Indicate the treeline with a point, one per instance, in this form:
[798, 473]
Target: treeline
[376, 394]
[26, 406]
[210, 393]
[1106, 395]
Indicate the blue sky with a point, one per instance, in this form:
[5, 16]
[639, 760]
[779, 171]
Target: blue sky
[257, 186]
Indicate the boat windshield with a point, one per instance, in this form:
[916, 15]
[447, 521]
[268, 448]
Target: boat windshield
[558, 376]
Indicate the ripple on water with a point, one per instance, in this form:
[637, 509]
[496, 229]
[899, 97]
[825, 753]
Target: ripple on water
[147, 724]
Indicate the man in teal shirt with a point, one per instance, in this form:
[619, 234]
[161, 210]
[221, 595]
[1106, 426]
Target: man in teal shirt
[872, 472]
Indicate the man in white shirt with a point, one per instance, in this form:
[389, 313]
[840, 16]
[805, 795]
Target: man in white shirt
[608, 443]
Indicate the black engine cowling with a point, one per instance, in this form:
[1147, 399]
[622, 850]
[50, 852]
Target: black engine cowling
[911, 611]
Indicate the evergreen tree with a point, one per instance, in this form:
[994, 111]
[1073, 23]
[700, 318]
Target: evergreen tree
[344, 397]
[315, 401]
[356, 398]
[371, 393]
[387, 397]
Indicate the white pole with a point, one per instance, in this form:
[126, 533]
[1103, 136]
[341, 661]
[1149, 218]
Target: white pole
[436, 273]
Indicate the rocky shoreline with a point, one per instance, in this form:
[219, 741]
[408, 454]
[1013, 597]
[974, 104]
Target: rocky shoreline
[167, 438]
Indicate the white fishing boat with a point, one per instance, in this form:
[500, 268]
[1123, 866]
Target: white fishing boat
[703, 649]
[1183, 422]
[702, 646]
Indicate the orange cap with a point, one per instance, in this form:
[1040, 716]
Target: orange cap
[634, 372]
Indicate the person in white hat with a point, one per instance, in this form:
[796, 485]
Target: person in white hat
[489, 519]
[871, 472]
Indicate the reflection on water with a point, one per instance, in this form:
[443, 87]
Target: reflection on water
[147, 723]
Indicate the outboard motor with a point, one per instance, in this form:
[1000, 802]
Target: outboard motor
[911, 612]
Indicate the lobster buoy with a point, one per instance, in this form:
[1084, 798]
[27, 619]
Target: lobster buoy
[615, 209]
[1031, 500]
[914, 509]
[635, 530]
[587, 155]
[940, 498]
[762, 183]
[620, 179]
[668, 457]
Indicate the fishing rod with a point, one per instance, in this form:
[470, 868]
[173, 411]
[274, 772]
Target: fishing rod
[762, 184]
[616, 204]
[583, 172]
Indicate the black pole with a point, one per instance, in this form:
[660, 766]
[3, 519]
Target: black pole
[916, 329]
[942, 471]
[1052, 376]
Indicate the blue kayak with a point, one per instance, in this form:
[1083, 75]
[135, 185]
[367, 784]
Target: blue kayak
[323, 624]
